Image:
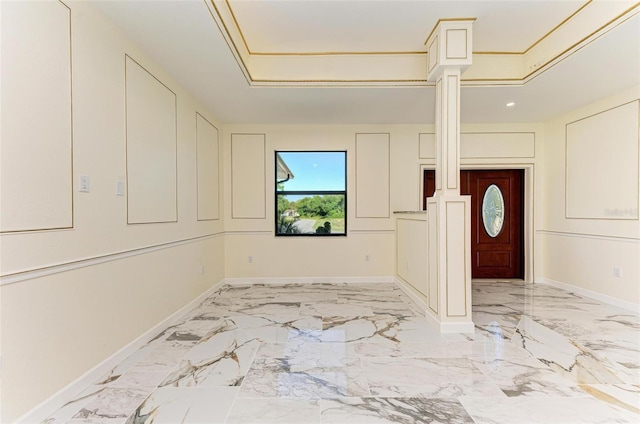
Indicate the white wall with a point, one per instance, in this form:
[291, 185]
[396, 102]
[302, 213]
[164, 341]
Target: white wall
[591, 225]
[72, 297]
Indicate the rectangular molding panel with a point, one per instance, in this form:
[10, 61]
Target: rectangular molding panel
[151, 147]
[372, 175]
[488, 145]
[457, 252]
[207, 164]
[608, 141]
[412, 258]
[37, 139]
[248, 179]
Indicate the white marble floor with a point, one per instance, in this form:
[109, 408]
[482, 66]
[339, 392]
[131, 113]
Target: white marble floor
[362, 353]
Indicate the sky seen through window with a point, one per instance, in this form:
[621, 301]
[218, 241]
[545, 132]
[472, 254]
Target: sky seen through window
[315, 170]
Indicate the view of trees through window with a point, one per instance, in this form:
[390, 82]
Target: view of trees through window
[311, 196]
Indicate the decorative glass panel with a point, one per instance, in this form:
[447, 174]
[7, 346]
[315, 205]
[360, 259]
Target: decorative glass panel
[493, 210]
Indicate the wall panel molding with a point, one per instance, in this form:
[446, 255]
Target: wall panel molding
[476, 145]
[151, 146]
[485, 145]
[589, 236]
[373, 179]
[248, 176]
[37, 121]
[16, 277]
[456, 255]
[608, 140]
[433, 221]
[427, 145]
[207, 169]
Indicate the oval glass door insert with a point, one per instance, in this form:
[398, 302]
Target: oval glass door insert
[493, 210]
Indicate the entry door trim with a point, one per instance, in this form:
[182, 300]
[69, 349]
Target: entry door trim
[529, 206]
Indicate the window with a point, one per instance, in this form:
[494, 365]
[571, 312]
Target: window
[311, 193]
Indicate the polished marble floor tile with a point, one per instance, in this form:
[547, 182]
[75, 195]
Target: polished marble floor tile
[624, 398]
[275, 410]
[138, 378]
[437, 348]
[569, 357]
[163, 358]
[365, 353]
[279, 328]
[542, 410]
[307, 296]
[488, 350]
[427, 377]
[111, 403]
[377, 328]
[220, 359]
[71, 408]
[393, 410]
[305, 378]
[527, 377]
[309, 347]
[324, 309]
[170, 405]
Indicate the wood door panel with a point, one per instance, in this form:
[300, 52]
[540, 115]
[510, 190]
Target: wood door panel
[486, 259]
[501, 256]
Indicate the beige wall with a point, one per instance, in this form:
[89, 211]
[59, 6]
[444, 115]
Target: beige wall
[72, 297]
[250, 224]
[583, 241]
[399, 152]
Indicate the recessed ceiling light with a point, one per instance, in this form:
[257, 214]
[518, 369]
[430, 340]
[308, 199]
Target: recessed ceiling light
[511, 104]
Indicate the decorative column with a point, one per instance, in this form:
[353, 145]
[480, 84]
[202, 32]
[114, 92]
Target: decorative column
[449, 213]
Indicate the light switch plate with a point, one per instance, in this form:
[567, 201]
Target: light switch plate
[120, 188]
[85, 184]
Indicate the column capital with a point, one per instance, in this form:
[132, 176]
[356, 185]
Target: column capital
[450, 44]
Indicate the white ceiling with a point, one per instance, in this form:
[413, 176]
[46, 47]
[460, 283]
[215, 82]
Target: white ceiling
[391, 25]
[183, 37]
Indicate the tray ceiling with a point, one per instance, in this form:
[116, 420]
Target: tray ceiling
[392, 26]
[364, 61]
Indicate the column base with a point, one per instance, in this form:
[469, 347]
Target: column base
[449, 241]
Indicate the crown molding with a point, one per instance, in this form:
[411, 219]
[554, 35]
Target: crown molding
[394, 68]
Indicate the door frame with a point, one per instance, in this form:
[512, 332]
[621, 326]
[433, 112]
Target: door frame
[529, 221]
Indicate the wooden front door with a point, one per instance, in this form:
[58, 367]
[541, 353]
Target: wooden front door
[497, 240]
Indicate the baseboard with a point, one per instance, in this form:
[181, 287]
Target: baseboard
[404, 286]
[307, 280]
[64, 395]
[610, 300]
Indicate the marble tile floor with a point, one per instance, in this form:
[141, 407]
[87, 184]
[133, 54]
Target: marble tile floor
[363, 353]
